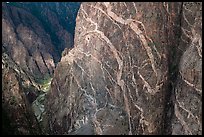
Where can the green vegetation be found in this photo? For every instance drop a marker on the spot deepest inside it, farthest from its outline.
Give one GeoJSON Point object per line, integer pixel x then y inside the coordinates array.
{"type": "Point", "coordinates": [44, 83]}
{"type": "Point", "coordinates": [13, 100]}
{"type": "Point", "coordinates": [38, 104]}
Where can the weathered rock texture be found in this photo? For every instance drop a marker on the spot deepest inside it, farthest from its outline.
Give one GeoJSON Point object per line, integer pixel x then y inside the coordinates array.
{"type": "Point", "coordinates": [121, 75]}
{"type": "Point", "coordinates": [34, 35]}
{"type": "Point", "coordinates": [57, 18]}
{"type": "Point", "coordinates": [187, 117]}
{"type": "Point", "coordinates": [26, 41]}
{"type": "Point", "coordinates": [18, 92]}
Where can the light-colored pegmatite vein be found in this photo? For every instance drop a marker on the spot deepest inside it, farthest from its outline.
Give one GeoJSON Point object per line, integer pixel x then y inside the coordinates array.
{"type": "Point", "coordinates": [197, 42]}
{"type": "Point", "coordinates": [134, 26]}
{"type": "Point", "coordinates": [96, 123]}
{"type": "Point", "coordinates": [111, 46]}
{"type": "Point", "coordinates": [113, 21]}
{"type": "Point", "coordinates": [120, 82]}
{"type": "Point", "coordinates": [100, 62]}
{"type": "Point", "coordinates": [182, 121]}
{"type": "Point", "coordinates": [166, 7]}
{"type": "Point", "coordinates": [179, 104]}
{"type": "Point", "coordinates": [195, 38]}
{"type": "Point", "coordinates": [102, 11]}
{"type": "Point", "coordinates": [142, 120]}
{"type": "Point", "coordinates": [186, 20]}
{"type": "Point", "coordinates": [190, 84]}
{"type": "Point", "coordinates": [135, 7]}
{"type": "Point", "coordinates": [146, 85]}
{"type": "Point", "coordinates": [133, 82]}
{"type": "Point", "coordinates": [91, 100]}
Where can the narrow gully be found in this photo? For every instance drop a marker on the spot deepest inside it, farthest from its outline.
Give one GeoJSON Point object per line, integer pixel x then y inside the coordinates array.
{"type": "Point", "coordinates": [173, 69]}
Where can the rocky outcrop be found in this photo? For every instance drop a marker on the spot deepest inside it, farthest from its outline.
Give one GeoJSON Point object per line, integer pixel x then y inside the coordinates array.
{"type": "Point", "coordinates": [26, 41]}
{"type": "Point", "coordinates": [18, 92]}
{"type": "Point", "coordinates": [34, 35]}
{"type": "Point", "coordinates": [122, 76]}
{"type": "Point", "coordinates": [57, 18]}
{"type": "Point", "coordinates": [187, 117]}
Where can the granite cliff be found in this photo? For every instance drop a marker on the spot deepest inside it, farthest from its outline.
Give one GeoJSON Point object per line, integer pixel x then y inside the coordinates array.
{"type": "Point", "coordinates": [130, 68]}
{"type": "Point", "coordinates": [19, 90]}
{"type": "Point", "coordinates": [135, 69]}
{"type": "Point", "coordinates": [35, 34]}
{"type": "Point", "coordinates": [33, 38]}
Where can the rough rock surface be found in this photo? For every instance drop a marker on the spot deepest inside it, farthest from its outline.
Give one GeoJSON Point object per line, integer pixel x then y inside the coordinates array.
{"type": "Point", "coordinates": [57, 18]}
{"type": "Point", "coordinates": [122, 76]}
{"type": "Point", "coordinates": [34, 36]}
{"type": "Point", "coordinates": [26, 41]}
{"type": "Point", "coordinates": [18, 92]}
{"type": "Point", "coordinates": [188, 86]}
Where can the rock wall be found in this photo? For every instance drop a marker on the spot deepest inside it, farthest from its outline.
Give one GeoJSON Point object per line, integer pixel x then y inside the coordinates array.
{"type": "Point", "coordinates": [26, 41]}
{"type": "Point", "coordinates": [187, 117]}
{"type": "Point", "coordinates": [18, 92]}
{"type": "Point", "coordinates": [127, 71]}
{"type": "Point", "coordinates": [35, 34]}
{"type": "Point", "coordinates": [135, 67]}
{"type": "Point", "coordinates": [33, 37]}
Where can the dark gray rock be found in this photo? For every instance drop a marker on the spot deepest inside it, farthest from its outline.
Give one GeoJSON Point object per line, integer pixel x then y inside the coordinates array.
{"type": "Point", "coordinates": [18, 92]}
{"type": "Point", "coordinates": [35, 34]}
{"type": "Point", "coordinates": [187, 118]}
{"type": "Point", "coordinates": [126, 73]}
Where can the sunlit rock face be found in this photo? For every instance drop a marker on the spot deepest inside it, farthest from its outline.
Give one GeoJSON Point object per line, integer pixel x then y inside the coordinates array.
{"type": "Point", "coordinates": [127, 71]}
{"type": "Point", "coordinates": [121, 74]}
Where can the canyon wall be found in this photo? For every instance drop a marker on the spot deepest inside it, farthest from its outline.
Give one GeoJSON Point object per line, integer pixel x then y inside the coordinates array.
{"type": "Point", "coordinates": [187, 98]}
{"type": "Point", "coordinates": [19, 90]}
{"type": "Point", "coordinates": [26, 41]}
{"type": "Point", "coordinates": [35, 36]}
{"type": "Point", "coordinates": [135, 69]}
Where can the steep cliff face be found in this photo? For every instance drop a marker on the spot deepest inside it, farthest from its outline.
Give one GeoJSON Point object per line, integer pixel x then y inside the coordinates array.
{"type": "Point", "coordinates": [34, 35]}
{"type": "Point", "coordinates": [115, 76]}
{"type": "Point", "coordinates": [187, 117]}
{"type": "Point", "coordinates": [26, 41]}
{"type": "Point", "coordinates": [123, 74]}
{"type": "Point", "coordinates": [18, 92]}
{"type": "Point", "coordinates": [57, 18]}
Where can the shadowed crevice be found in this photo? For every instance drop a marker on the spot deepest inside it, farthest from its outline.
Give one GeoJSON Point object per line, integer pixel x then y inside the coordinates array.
{"type": "Point", "coordinates": [173, 72]}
